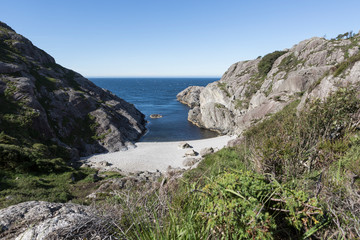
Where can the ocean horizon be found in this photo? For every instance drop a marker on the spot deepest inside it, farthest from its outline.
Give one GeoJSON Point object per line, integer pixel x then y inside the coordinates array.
{"type": "Point", "coordinates": [157, 95]}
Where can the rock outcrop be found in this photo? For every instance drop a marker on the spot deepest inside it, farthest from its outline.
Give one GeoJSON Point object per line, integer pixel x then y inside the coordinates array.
{"type": "Point", "coordinates": [190, 96]}
{"type": "Point", "coordinates": [60, 105]}
{"type": "Point", "coordinates": [251, 90]}
{"type": "Point", "coordinates": [41, 220]}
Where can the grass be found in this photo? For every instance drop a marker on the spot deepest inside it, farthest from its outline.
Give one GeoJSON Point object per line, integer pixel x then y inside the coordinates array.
{"type": "Point", "coordinates": [223, 87]}
{"type": "Point", "coordinates": [267, 62]}
{"type": "Point", "coordinates": [72, 185]}
{"type": "Point", "coordinates": [341, 67]}
{"type": "Point", "coordinates": [49, 83]}
{"type": "Point", "coordinates": [266, 173]}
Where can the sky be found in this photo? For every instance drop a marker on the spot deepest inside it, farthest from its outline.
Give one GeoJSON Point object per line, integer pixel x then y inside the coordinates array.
{"type": "Point", "coordinates": [168, 38]}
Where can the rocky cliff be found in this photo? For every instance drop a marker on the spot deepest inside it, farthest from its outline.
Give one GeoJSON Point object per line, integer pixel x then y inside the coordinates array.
{"type": "Point", "coordinates": [251, 90]}
{"type": "Point", "coordinates": [43, 102]}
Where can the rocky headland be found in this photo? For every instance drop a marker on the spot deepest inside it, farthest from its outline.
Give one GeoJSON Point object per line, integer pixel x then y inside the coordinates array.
{"type": "Point", "coordinates": [251, 90]}
{"type": "Point", "coordinates": [50, 115]}
{"type": "Point", "coordinates": [57, 105]}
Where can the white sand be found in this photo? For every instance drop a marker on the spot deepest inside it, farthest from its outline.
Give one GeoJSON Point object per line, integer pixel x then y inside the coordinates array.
{"type": "Point", "coordinates": [152, 156]}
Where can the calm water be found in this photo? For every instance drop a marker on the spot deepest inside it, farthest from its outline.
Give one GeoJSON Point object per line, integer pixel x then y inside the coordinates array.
{"type": "Point", "coordinates": [158, 96]}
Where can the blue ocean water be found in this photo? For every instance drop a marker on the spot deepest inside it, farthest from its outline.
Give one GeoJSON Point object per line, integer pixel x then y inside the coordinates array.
{"type": "Point", "coordinates": [158, 96]}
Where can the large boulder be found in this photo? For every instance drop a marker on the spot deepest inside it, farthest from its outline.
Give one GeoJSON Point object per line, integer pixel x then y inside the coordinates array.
{"type": "Point", "coordinates": [40, 220]}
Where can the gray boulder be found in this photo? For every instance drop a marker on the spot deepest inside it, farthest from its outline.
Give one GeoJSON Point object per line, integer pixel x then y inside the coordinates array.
{"type": "Point", "coordinates": [191, 153]}
{"type": "Point", "coordinates": [206, 151]}
{"type": "Point", "coordinates": [189, 162]}
{"type": "Point", "coordinates": [184, 145]}
{"type": "Point", "coordinates": [39, 220]}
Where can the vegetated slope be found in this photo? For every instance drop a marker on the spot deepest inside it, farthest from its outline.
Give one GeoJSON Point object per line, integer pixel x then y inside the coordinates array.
{"type": "Point", "coordinates": [295, 173]}
{"type": "Point", "coordinates": [49, 112]}
{"type": "Point", "coordinates": [250, 90]}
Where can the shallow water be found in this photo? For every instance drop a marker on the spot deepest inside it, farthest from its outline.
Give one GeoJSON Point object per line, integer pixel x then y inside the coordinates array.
{"type": "Point", "coordinates": [158, 96]}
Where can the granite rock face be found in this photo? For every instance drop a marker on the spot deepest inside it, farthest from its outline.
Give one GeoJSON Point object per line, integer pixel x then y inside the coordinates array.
{"type": "Point", "coordinates": [63, 106]}
{"type": "Point", "coordinates": [246, 93]}
{"type": "Point", "coordinates": [40, 220]}
{"type": "Point", "coordinates": [190, 96]}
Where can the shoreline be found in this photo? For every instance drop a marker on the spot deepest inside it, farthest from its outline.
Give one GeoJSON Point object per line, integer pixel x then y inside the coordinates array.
{"type": "Point", "coordinates": [154, 156]}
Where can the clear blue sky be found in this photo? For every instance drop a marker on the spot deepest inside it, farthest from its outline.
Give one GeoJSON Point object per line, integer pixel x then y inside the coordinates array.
{"type": "Point", "coordinates": [172, 37]}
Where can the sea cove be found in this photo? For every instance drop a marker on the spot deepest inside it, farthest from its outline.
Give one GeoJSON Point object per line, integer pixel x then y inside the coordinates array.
{"type": "Point", "coordinates": [158, 96]}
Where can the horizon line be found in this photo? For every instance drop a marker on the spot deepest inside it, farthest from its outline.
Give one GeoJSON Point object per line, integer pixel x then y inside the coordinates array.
{"type": "Point", "coordinates": [152, 76]}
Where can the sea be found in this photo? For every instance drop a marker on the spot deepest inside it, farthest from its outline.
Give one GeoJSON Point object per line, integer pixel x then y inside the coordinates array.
{"type": "Point", "coordinates": [158, 96]}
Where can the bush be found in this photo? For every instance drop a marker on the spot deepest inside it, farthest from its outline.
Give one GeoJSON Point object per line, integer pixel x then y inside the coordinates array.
{"type": "Point", "coordinates": [245, 205]}
{"type": "Point", "coordinates": [341, 67]}
{"type": "Point", "coordinates": [267, 62]}
{"type": "Point", "coordinates": [290, 143]}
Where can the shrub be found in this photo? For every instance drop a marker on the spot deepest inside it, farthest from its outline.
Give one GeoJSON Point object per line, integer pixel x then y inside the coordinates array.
{"type": "Point", "coordinates": [288, 143]}
{"type": "Point", "coordinates": [341, 67]}
{"type": "Point", "coordinates": [267, 62]}
{"type": "Point", "coordinates": [245, 205]}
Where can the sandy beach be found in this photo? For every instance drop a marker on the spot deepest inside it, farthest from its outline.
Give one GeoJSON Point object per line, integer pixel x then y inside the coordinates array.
{"type": "Point", "coordinates": [153, 156]}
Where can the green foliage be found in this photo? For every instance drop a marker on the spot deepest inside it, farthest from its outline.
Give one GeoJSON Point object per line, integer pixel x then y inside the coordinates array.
{"type": "Point", "coordinates": [290, 149]}
{"type": "Point", "coordinates": [341, 186]}
{"type": "Point", "coordinates": [70, 77]}
{"type": "Point", "coordinates": [240, 204]}
{"type": "Point", "coordinates": [289, 63]}
{"type": "Point", "coordinates": [21, 149]}
{"type": "Point", "coordinates": [267, 62]}
{"type": "Point", "coordinates": [21, 159]}
{"type": "Point", "coordinates": [287, 143]}
{"type": "Point", "coordinates": [240, 104]}
{"type": "Point", "coordinates": [223, 87]}
{"type": "Point", "coordinates": [346, 35]}
{"type": "Point", "coordinates": [219, 105]}
{"type": "Point", "coordinates": [41, 80]}
{"type": "Point", "coordinates": [214, 164]}
{"type": "Point", "coordinates": [6, 52]}
{"type": "Point", "coordinates": [231, 205]}
{"type": "Point", "coordinates": [341, 67]}
{"type": "Point", "coordinates": [54, 187]}
{"type": "Point", "coordinates": [85, 130]}
{"type": "Point", "coordinates": [253, 86]}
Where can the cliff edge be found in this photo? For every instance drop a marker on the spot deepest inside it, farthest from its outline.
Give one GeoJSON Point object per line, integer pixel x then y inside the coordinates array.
{"type": "Point", "coordinates": [251, 90]}
{"type": "Point", "coordinates": [46, 104]}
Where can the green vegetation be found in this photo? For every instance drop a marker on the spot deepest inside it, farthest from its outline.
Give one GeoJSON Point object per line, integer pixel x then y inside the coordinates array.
{"type": "Point", "coordinates": [289, 63]}
{"type": "Point", "coordinates": [239, 104]}
{"type": "Point", "coordinates": [41, 80]}
{"type": "Point", "coordinates": [293, 176]}
{"type": "Point", "coordinates": [219, 105]}
{"type": "Point", "coordinates": [256, 81]}
{"type": "Point", "coordinates": [85, 130]}
{"type": "Point", "coordinates": [70, 77]}
{"type": "Point", "coordinates": [223, 87]}
{"type": "Point", "coordinates": [267, 62]}
{"type": "Point", "coordinates": [62, 186]}
{"type": "Point", "coordinates": [340, 68]}
{"type": "Point", "coordinates": [346, 35]}
{"type": "Point", "coordinates": [32, 168]}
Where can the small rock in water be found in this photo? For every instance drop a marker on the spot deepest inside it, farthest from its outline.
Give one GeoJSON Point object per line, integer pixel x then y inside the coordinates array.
{"type": "Point", "coordinates": [184, 145]}
{"type": "Point", "coordinates": [156, 116]}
